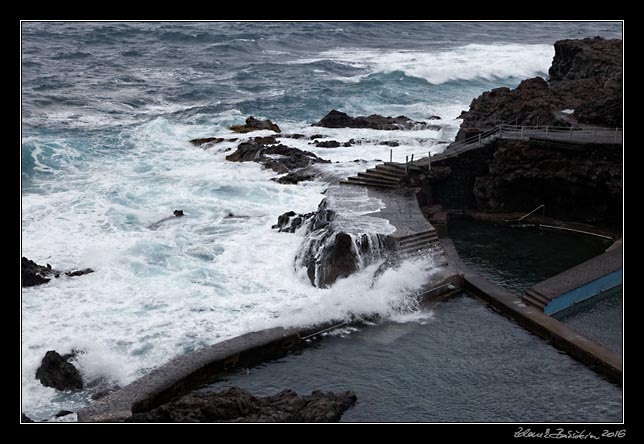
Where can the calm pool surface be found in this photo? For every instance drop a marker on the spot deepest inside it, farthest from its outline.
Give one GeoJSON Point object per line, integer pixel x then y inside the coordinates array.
{"type": "Point", "coordinates": [462, 363]}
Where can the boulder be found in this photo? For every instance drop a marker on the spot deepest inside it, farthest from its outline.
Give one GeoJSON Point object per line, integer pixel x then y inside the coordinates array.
{"type": "Point", "coordinates": [55, 371]}
{"type": "Point", "coordinates": [328, 144]}
{"type": "Point", "coordinates": [237, 405]}
{"type": "Point", "coordinates": [75, 273]}
{"type": "Point", "coordinates": [337, 119]}
{"type": "Point", "coordinates": [290, 221]}
{"type": "Point", "coordinates": [207, 140]}
{"type": "Point", "coordinates": [34, 274]}
{"type": "Point", "coordinates": [253, 124]}
{"type": "Point", "coordinates": [294, 178]}
{"type": "Point", "coordinates": [279, 158]}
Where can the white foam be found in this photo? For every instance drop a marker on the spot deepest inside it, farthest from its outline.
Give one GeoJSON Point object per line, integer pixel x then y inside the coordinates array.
{"type": "Point", "coordinates": [191, 282]}
{"type": "Point", "coordinates": [486, 61]}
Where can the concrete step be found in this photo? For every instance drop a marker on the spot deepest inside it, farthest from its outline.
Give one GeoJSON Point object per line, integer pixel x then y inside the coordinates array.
{"type": "Point", "coordinates": [372, 181]}
{"type": "Point", "coordinates": [392, 169]}
{"type": "Point", "coordinates": [423, 241]}
{"type": "Point", "coordinates": [430, 236]}
{"type": "Point", "coordinates": [366, 184]}
{"type": "Point", "coordinates": [375, 175]}
{"type": "Point", "coordinates": [385, 173]}
{"type": "Point", "coordinates": [410, 236]}
{"type": "Point", "coordinates": [537, 296]}
{"type": "Point", "coordinates": [530, 299]}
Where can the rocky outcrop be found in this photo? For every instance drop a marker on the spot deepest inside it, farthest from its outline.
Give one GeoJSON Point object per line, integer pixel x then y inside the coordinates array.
{"type": "Point", "coordinates": [55, 371]}
{"type": "Point", "coordinates": [33, 274]}
{"type": "Point", "coordinates": [279, 158]}
{"type": "Point", "coordinates": [253, 124]}
{"type": "Point", "coordinates": [328, 253]}
{"type": "Point", "coordinates": [291, 221]}
{"type": "Point", "coordinates": [328, 144]}
{"type": "Point", "coordinates": [338, 119]}
{"type": "Point", "coordinates": [207, 140]}
{"type": "Point", "coordinates": [587, 58]}
{"type": "Point", "coordinates": [237, 405]}
{"type": "Point", "coordinates": [585, 76]}
{"type": "Point", "coordinates": [294, 178]}
{"type": "Point", "coordinates": [583, 184]}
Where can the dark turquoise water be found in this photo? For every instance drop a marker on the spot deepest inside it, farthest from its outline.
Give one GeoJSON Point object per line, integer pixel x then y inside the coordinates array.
{"type": "Point", "coordinates": [462, 363]}
{"type": "Point", "coordinates": [518, 258]}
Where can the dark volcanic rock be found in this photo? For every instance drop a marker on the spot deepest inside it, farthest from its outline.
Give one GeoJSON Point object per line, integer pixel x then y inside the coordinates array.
{"type": "Point", "coordinates": [34, 274]}
{"type": "Point", "coordinates": [328, 253]}
{"type": "Point", "coordinates": [584, 185]}
{"type": "Point", "coordinates": [207, 140]}
{"type": "Point", "coordinates": [583, 59]}
{"type": "Point", "coordinates": [290, 221]}
{"type": "Point", "coordinates": [25, 419]}
{"type": "Point", "coordinates": [586, 76]}
{"type": "Point", "coordinates": [280, 158]}
{"type": "Point", "coordinates": [253, 124]}
{"type": "Point", "coordinates": [337, 119]}
{"type": "Point", "coordinates": [79, 272]}
{"type": "Point", "coordinates": [55, 371]}
{"type": "Point", "coordinates": [531, 103]}
{"type": "Point", "coordinates": [340, 259]}
{"type": "Point", "coordinates": [328, 144]}
{"type": "Point", "coordinates": [294, 178]}
{"type": "Point", "coordinates": [62, 413]}
{"type": "Point", "coordinates": [237, 405]}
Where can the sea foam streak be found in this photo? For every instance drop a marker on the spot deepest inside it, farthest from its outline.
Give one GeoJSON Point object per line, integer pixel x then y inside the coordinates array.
{"type": "Point", "coordinates": [468, 62]}
{"type": "Point", "coordinates": [192, 281]}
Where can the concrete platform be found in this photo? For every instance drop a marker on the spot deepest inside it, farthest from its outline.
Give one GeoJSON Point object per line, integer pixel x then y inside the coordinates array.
{"type": "Point", "coordinates": [402, 211]}
{"type": "Point", "coordinates": [186, 372]}
{"type": "Point", "coordinates": [577, 284]}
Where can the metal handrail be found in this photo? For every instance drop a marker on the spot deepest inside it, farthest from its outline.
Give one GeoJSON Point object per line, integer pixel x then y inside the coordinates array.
{"type": "Point", "coordinates": [505, 130]}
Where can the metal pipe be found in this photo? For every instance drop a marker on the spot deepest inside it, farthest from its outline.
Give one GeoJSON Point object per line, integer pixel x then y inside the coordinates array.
{"type": "Point", "coordinates": [391, 155]}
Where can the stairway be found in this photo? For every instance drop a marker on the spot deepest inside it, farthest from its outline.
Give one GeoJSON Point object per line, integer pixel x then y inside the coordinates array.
{"type": "Point", "coordinates": [385, 175]}
{"type": "Point", "coordinates": [415, 243]}
{"type": "Point", "coordinates": [535, 299]}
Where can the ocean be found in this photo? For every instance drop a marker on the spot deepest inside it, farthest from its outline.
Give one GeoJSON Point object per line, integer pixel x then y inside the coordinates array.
{"type": "Point", "coordinates": [107, 112]}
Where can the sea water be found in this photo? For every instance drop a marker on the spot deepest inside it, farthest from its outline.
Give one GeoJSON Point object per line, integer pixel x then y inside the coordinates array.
{"type": "Point", "coordinates": [107, 112]}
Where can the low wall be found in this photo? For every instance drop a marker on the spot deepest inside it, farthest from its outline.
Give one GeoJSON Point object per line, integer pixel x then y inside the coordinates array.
{"type": "Point", "coordinates": [589, 352]}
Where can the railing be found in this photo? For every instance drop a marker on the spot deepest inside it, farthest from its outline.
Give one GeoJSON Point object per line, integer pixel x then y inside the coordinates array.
{"type": "Point", "coordinates": [584, 134]}
{"type": "Point", "coordinates": [529, 214]}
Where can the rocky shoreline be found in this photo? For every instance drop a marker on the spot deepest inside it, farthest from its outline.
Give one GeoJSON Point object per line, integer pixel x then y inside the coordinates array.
{"type": "Point", "coordinates": [583, 184]}
{"type": "Point", "coordinates": [584, 87]}
{"type": "Point", "coordinates": [576, 181]}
